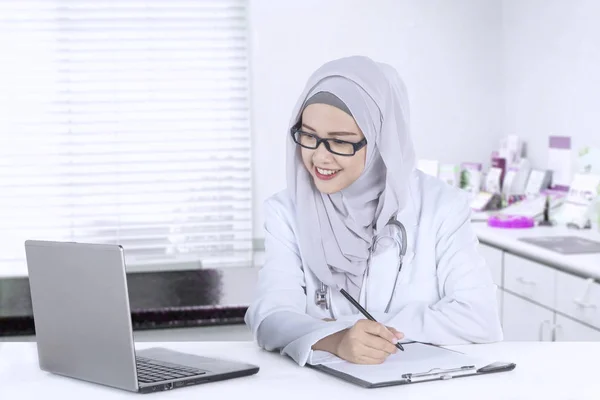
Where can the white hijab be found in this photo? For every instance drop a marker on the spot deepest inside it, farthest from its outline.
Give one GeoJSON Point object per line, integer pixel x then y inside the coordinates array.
{"type": "Point", "coordinates": [335, 231]}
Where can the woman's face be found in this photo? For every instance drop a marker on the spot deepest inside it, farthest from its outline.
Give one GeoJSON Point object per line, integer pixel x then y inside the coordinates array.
{"type": "Point", "coordinates": [331, 172]}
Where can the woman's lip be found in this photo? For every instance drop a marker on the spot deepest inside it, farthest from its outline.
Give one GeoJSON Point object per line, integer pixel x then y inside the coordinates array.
{"type": "Point", "coordinates": [325, 177]}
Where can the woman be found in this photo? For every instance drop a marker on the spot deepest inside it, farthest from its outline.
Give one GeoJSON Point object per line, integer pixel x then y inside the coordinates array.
{"type": "Point", "coordinates": [350, 171]}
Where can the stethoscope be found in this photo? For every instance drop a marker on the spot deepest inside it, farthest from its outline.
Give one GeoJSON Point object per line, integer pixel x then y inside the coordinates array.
{"type": "Point", "coordinates": [393, 229]}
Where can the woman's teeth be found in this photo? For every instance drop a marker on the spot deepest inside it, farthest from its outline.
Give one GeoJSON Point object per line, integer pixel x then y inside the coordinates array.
{"type": "Point", "coordinates": [326, 171]}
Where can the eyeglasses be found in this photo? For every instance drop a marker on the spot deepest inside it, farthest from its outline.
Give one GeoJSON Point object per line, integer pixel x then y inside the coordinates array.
{"type": "Point", "coordinates": [335, 146]}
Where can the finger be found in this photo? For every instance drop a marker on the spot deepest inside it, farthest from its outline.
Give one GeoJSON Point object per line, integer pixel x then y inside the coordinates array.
{"type": "Point", "coordinates": [372, 355]}
{"type": "Point", "coordinates": [376, 342]}
{"type": "Point", "coordinates": [369, 360]}
{"type": "Point", "coordinates": [396, 333]}
{"type": "Point", "coordinates": [365, 350]}
{"type": "Point", "coordinates": [375, 328]}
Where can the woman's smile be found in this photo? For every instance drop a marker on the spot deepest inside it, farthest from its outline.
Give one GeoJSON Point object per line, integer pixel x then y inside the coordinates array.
{"type": "Point", "coordinates": [326, 174]}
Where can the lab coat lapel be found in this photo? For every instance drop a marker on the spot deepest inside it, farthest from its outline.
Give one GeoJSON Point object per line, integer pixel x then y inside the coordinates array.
{"type": "Point", "coordinates": [382, 271]}
{"type": "Point", "coordinates": [409, 218]}
{"type": "Point", "coordinates": [379, 285]}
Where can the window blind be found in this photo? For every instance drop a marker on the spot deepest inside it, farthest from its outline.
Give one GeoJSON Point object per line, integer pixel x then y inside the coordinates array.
{"type": "Point", "coordinates": [126, 122]}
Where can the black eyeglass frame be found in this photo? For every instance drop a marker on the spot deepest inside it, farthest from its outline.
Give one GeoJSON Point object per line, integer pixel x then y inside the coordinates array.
{"type": "Point", "coordinates": [356, 146]}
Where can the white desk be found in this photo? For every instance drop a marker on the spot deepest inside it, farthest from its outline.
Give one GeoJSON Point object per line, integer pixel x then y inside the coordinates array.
{"type": "Point", "coordinates": [544, 371]}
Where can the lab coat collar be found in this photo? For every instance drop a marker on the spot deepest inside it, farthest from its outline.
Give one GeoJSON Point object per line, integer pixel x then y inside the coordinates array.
{"type": "Point", "coordinates": [409, 216]}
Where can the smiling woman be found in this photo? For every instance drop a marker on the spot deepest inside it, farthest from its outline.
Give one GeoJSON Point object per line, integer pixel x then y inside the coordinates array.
{"type": "Point", "coordinates": [351, 171]}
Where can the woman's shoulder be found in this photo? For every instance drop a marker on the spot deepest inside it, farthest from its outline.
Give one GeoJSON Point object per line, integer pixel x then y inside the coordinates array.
{"type": "Point", "coordinates": [280, 203]}
{"type": "Point", "coordinates": [438, 196]}
{"type": "Point", "coordinates": [280, 207]}
{"type": "Point", "coordinates": [280, 219]}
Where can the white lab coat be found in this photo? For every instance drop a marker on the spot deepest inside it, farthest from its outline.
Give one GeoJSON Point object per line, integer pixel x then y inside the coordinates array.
{"type": "Point", "coordinates": [444, 294]}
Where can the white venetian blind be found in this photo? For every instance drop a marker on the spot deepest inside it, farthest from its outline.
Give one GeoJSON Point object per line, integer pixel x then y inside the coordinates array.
{"type": "Point", "coordinates": [127, 122]}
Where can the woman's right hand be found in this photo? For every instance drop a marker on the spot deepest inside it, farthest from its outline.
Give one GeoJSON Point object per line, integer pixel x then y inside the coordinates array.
{"type": "Point", "coordinates": [367, 342]}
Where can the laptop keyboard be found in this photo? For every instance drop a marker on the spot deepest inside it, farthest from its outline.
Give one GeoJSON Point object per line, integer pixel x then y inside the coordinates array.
{"type": "Point", "coordinates": [149, 370]}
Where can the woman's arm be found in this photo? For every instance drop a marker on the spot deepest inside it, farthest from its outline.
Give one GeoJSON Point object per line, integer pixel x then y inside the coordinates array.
{"type": "Point", "coordinates": [467, 312]}
{"type": "Point", "coordinates": [277, 317]}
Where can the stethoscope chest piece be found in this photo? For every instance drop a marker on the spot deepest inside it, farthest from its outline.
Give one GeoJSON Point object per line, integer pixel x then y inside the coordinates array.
{"type": "Point", "coordinates": [321, 297]}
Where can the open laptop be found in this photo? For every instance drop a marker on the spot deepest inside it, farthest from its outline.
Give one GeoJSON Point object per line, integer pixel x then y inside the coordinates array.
{"type": "Point", "coordinates": [83, 323]}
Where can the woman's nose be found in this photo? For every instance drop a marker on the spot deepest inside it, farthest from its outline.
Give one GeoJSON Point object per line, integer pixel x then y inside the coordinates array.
{"type": "Point", "coordinates": [322, 154]}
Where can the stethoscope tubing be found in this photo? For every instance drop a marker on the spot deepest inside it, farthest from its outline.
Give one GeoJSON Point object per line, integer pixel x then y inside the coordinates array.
{"type": "Point", "coordinates": [323, 295]}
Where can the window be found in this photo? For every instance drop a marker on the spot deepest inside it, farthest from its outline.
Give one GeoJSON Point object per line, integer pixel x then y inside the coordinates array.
{"type": "Point", "coordinates": [126, 122]}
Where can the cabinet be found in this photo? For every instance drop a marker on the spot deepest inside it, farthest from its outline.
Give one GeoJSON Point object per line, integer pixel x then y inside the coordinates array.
{"type": "Point", "coordinates": [530, 279]}
{"type": "Point", "coordinates": [525, 321]}
{"type": "Point", "coordinates": [567, 330]}
{"type": "Point", "coordinates": [578, 298]}
{"type": "Point", "coordinates": [537, 300]}
{"type": "Point", "coordinates": [540, 303]}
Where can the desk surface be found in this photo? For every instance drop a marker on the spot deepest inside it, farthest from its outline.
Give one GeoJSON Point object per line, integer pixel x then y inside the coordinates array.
{"type": "Point", "coordinates": [544, 371]}
{"type": "Point", "coordinates": [584, 265]}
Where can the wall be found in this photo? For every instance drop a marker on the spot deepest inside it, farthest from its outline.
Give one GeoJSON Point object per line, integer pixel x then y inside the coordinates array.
{"type": "Point", "coordinates": [446, 51]}
{"type": "Point", "coordinates": [551, 52]}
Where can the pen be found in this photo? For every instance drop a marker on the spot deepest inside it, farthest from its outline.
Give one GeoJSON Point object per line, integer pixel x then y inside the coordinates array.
{"type": "Point", "coordinates": [363, 311]}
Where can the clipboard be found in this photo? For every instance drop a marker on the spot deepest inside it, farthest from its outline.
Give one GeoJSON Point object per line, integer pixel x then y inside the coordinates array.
{"type": "Point", "coordinates": [395, 371]}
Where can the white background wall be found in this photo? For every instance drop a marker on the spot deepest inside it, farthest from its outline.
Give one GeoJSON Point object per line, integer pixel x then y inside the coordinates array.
{"type": "Point", "coordinates": [446, 51]}
{"type": "Point", "coordinates": [551, 51]}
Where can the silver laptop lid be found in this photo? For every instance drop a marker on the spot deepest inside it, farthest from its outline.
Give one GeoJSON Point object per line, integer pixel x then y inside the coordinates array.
{"type": "Point", "coordinates": [81, 311]}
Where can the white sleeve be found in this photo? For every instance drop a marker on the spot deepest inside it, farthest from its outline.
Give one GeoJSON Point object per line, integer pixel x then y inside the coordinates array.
{"type": "Point", "coordinates": [467, 311]}
{"type": "Point", "coordinates": [277, 316]}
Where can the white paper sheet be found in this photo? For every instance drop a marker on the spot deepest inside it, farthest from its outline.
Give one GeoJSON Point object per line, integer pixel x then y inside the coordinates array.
{"type": "Point", "coordinates": [416, 358]}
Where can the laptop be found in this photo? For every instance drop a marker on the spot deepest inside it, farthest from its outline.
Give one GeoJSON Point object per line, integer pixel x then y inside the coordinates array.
{"type": "Point", "coordinates": [83, 324]}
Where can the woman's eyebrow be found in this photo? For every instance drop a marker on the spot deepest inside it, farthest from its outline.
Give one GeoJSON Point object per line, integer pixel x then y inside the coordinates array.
{"type": "Point", "coordinates": [308, 127]}
{"type": "Point", "coordinates": [342, 133]}
{"type": "Point", "coordinates": [338, 133]}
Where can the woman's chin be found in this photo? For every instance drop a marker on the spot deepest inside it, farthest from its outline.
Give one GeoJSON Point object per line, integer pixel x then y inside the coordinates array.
{"type": "Point", "coordinates": [327, 187]}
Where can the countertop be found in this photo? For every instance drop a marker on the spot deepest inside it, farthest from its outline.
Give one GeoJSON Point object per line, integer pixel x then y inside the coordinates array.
{"type": "Point", "coordinates": [583, 265]}
{"type": "Point", "coordinates": [158, 299]}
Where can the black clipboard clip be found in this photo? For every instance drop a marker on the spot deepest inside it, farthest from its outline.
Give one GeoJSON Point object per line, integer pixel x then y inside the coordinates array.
{"type": "Point", "coordinates": [440, 373]}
